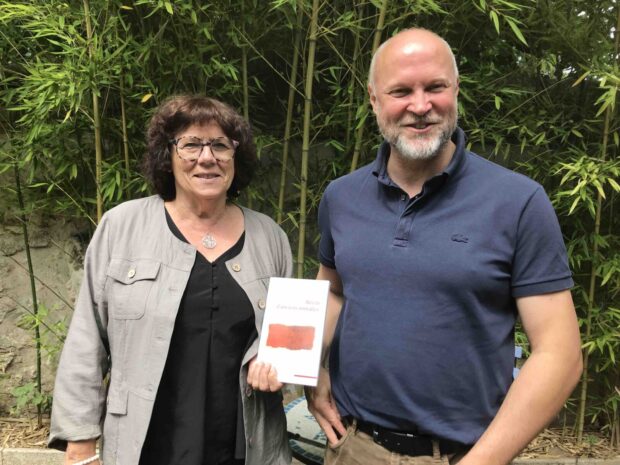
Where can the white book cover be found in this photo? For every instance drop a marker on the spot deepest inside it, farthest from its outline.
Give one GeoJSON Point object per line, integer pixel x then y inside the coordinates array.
{"type": "Point", "coordinates": [292, 333]}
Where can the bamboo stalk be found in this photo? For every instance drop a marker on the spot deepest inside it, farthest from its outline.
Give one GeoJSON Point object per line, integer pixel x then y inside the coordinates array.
{"type": "Point", "coordinates": [33, 288]}
{"type": "Point", "coordinates": [289, 111]}
{"type": "Point", "coordinates": [359, 134]}
{"type": "Point", "coordinates": [581, 412]}
{"type": "Point", "coordinates": [306, 138]}
{"type": "Point", "coordinates": [124, 127]}
{"type": "Point", "coordinates": [96, 116]}
{"type": "Point", "coordinates": [246, 91]}
{"type": "Point", "coordinates": [353, 83]}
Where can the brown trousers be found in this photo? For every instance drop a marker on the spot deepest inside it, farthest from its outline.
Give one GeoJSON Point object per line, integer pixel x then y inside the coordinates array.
{"type": "Point", "coordinates": [358, 448]}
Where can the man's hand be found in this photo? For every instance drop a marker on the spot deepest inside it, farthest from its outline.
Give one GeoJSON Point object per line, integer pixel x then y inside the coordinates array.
{"type": "Point", "coordinates": [263, 376]}
{"type": "Point", "coordinates": [321, 404]}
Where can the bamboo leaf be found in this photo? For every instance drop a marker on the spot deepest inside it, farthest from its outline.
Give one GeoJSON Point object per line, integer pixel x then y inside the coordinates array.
{"type": "Point", "coordinates": [612, 182]}
{"type": "Point", "coordinates": [599, 187]}
{"type": "Point", "coordinates": [146, 98]}
{"type": "Point", "coordinates": [495, 20]}
{"type": "Point", "coordinates": [515, 29]}
{"type": "Point", "coordinates": [574, 205]}
{"type": "Point", "coordinates": [581, 78]}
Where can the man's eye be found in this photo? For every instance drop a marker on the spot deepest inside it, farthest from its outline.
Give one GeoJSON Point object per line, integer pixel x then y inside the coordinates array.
{"type": "Point", "coordinates": [399, 93]}
{"type": "Point", "coordinates": [436, 88]}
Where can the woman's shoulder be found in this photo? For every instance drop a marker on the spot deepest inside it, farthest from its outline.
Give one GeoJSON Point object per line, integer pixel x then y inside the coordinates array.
{"type": "Point", "coordinates": [259, 225]}
{"type": "Point", "coordinates": [135, 207]}
{"type": "Point", "coordinates": [254, 219]}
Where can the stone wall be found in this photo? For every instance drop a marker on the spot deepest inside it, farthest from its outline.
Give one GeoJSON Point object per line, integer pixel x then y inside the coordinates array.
{"type": "Point", "coordinates": [56, 256]}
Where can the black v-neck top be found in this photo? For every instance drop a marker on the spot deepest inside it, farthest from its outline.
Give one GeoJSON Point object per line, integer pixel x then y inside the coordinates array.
{"type": "Point", "coordinates": [196, 411]}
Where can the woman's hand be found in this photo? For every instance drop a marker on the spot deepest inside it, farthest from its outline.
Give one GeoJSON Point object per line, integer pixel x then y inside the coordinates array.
{"type": "Point", "coordinates": [263, 376]}
{"type": "Point", "coordinates": [81, 450]}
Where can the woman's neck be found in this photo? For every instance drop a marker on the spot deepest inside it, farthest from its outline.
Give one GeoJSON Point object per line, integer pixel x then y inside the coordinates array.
{"type": "Point", "coordinates": [201, 214]}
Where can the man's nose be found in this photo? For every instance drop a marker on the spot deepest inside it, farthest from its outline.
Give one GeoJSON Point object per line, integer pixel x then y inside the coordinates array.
{"type": "Point", "coordinates": [419, 103]}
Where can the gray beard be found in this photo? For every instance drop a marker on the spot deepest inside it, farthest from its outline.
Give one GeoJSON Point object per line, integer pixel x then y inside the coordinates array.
{"type": "Point", "coordinates": [430, 149]}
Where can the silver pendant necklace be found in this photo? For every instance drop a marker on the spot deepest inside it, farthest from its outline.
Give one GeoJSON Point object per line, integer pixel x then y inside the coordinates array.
{"type": "Point", "coordinates": [208, 241]}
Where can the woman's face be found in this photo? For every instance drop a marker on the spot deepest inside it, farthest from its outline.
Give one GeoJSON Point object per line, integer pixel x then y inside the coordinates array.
{"type": "Point", "coordinates": [206, 178]}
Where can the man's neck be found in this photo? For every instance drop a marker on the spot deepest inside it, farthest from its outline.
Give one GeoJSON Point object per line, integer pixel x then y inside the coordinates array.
{"type": "Point", "coordinates": [410, 175]}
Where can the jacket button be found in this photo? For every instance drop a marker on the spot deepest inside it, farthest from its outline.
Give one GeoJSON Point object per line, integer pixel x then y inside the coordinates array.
{"type": "Point", "coordinates": [261, 304]}
{"type": "Point", "coordinates": [236, 267]}
{"type": "Point", "coordinates": [131, 273]}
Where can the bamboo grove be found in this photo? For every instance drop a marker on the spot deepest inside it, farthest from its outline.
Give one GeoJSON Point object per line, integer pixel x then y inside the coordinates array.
{"type": "Point", "coordinates": [78, 81]}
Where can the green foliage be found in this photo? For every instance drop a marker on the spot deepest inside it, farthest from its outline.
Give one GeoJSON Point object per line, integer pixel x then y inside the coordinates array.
{"type": "Point", "coordinates": [27, 396]}
{"type": "Point", "coordinates": [538, 93]}
{"type": "Point", "coordinates": [52, 333]}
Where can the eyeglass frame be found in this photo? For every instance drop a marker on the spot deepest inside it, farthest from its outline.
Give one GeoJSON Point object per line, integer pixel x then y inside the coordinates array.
{"type": "Point", "coordinates": [205, 144]}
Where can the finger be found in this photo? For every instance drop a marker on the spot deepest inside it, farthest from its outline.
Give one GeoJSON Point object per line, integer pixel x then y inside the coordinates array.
{"type": "Point", "coordinates": [263, 381]}
{"type": "Point", "coordinates": [254, 373]}
{"type": "Point", "coordinates": [272, 377]}
{"type": "Point", "coordinates": [331, 414]}
{"type": "Point", "coordinates": [339, 426]}
{"type": "Point", "coordinates": [326, 426]}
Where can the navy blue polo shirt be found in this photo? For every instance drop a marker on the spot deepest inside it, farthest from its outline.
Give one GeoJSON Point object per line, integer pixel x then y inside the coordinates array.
{"type": "Point", "coordinates": [425, 338]}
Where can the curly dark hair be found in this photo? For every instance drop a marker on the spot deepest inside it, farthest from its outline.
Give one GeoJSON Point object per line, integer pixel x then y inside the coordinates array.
{"type": "Point", "coordinates": [177, 114]}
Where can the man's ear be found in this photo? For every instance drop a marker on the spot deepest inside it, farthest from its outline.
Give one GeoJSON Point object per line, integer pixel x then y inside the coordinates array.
{"type": "Point", "coordinates": [373, 98]}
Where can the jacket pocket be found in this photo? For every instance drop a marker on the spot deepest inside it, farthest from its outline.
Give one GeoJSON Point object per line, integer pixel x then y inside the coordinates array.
{"type": "Point", "coordinates": [117, 401]}
{"type": "Point", "coordinates": [116, 409]}
{"type": "Point", "coordinates": [130, 285]}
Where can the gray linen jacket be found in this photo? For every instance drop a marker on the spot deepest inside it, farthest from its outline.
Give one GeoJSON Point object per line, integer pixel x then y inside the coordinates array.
{"type": "Point", "coordinates": [135, 273]}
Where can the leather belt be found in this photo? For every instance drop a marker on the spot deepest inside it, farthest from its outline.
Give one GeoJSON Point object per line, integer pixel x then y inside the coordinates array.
{"type": "Point", "coordinates": [407, 443]}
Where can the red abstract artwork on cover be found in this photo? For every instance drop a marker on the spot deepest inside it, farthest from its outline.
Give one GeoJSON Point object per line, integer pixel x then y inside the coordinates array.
{"type": "Point", "coordinates": [290, 337]}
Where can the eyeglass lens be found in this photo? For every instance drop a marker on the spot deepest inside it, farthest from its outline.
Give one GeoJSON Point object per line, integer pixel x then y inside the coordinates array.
{"type": "Point", "coordinates": [189, 148]}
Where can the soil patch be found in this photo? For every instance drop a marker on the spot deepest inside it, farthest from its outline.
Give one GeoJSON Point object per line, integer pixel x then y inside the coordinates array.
{"type": "Point", "coordinates": [24, 432]}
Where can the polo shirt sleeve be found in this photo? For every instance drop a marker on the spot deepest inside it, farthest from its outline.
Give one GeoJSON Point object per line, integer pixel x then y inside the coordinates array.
{"type": "Point", "coordinates": [540, 264]}
{"type": "Point", "coordinates": [326, 244]}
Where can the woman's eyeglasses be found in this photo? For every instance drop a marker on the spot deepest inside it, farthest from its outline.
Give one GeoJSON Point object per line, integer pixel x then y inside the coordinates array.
{"type": "Point", "coordinates": [189, 148]}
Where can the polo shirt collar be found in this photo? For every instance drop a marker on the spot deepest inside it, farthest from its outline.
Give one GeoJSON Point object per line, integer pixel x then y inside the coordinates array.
{"type": "Point", "coordinates": [379, 166]}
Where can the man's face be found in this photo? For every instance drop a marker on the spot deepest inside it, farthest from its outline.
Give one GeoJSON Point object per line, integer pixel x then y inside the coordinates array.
{"type": "Point", "coordinates": [414, 95]}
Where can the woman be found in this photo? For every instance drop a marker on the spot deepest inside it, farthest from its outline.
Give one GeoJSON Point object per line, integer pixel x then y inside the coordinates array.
{"type": "Point", "coordinates": [170, 308]}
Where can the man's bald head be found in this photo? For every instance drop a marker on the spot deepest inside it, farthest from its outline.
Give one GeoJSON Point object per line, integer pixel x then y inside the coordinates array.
{"type": "Point", "coordinates": [410, 40]}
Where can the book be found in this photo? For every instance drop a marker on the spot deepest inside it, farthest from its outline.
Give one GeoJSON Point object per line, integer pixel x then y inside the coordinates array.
{"type": "Point", "coordinates": [292, 333]}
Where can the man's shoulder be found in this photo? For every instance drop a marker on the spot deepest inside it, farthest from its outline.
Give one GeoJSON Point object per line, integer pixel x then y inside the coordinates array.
{"type": "Point", "coordinates": [491, 173]}
{"type": "Point", "coordinates": [351, 180]}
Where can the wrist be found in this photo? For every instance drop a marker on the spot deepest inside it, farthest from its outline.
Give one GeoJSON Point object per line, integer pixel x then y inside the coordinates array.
{"type": "Point", "coordinates": [81, 450]}
{"type": "Point", "coordinates": [88, 460]}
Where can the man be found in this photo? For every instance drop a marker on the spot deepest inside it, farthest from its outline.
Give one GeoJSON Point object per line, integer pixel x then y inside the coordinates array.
{"type": "Point", "coordinates": [431, 253]}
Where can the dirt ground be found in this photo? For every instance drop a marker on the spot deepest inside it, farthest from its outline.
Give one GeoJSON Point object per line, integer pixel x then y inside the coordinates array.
{"type": "Point", "coordinates": [24, 432]}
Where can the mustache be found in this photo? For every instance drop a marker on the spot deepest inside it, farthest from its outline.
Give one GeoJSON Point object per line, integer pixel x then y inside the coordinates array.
{"type": "Point", "coordinates": [413, 119]}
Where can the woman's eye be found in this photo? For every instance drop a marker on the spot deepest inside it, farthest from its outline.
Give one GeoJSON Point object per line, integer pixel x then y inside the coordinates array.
{"type": "Point", "coordinates": [191, 146]}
